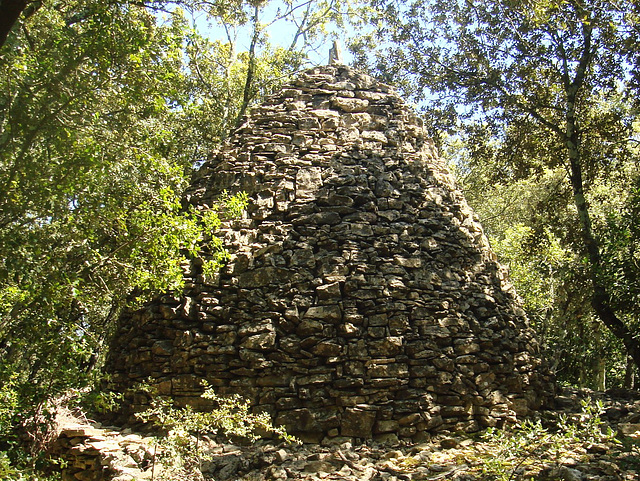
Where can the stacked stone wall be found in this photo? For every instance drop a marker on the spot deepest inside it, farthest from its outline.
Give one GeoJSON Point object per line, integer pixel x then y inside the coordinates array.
{"type": "Point", "coordinates": [361, 298]}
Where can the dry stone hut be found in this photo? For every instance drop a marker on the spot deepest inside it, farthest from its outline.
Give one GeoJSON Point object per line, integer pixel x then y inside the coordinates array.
{"type": "Point", "coordinates": [361, 299]}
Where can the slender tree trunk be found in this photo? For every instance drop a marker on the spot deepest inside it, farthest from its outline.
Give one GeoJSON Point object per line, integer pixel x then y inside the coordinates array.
{"type": "Point", "coordinates": [599, 374]}
{"type": "Point", "coordinates": [629, 374]}
{"type": "Point", "coordinates": [600, 300]}
{"type": "Point", "coordinates": [251, 67]}
{"type": "Point", "coordinates": [10, 11]}
{"type": "Point", "coordinates": [226, 113]}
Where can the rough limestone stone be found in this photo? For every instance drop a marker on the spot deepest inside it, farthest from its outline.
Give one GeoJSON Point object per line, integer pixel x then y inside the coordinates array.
{"type": "Point", "coordinates": [358, 422]}
{"type": "Point", "coordinates": [361, 299]}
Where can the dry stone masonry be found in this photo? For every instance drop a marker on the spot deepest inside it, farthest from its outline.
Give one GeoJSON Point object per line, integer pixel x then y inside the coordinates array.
{"type": "Point", "coordinates": [361, 299]}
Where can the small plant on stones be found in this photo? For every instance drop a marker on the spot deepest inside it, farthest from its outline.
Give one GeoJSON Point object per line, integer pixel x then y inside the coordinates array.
{"type": "Point", "coordinates": [183, 447]}
{"type": "Point", "coordinates": [528, 449]}
{"type": "Point", "coordinates": [517, 449]}
{"type": "Point", "coordinates": [587, 425]}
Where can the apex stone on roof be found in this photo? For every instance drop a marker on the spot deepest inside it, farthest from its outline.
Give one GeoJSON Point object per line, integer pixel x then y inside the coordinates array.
{"type": "Point", "coordinates": [361, 298]}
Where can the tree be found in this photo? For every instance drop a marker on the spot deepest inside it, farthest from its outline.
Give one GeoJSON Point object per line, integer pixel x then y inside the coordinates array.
{"type": "Point", "coordinates": [528, 79]}
{"type": "Point", "coordinates": [10, 11]}
{"type": "Point", "coordinates": [526, 221]}
{"type": "Point", "coordinates": [91, 175]}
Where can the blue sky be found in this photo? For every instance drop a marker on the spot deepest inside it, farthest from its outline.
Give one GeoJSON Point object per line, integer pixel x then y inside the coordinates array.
{"type": "Point", "coordinates": [280, 32]}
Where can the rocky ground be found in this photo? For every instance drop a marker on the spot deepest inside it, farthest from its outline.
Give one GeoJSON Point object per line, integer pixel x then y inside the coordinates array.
{"type": "Point", "coordinates": [592, 436]}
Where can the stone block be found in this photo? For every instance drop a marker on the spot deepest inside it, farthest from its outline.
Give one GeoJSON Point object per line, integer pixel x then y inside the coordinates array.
{"type": "Point", "coordinates": [395, 370]}
{"type": "Point", "coordinates": [162, 348]}
{"type": "Point", "coordinates": [330, 313]}
{"type": "Point", "coordinates": [263, 276]}
{"type": "Point", "coordinates": [389, 346]}
{"type": "Point", "coordinates": [314, 379]}
{"type": "Point", "coordinates": [303, 258]}
{"type": "Point", "coordinates": [629, 429]}
{"type": "Point", "coordinates": [329, 291]}
{"type": "Point", "coordinates": [376, 333]}
{"type": "Point", "coordinates": [409, 420]}
{"type": "Point", "coordinates": [327, 349]}
{"type": "Point", "coordinates": [374, 135]}
{"type": "Point", "coordinates": [309, 327]}
{"type": "Point", "coordinates": [389, 426]}
{"type": "Point", "coordinates": [260, 342]}
{"type": "Point", "coordinates": [350, 104]}
{"type": "Point", "coordinates": [297, 420]}
{"type": "Point", "coordinates": [357, 423]}
{"type": "Point", "coordinates": [274, 380]}
{"type": "Point", "coordinates": [308, 180]}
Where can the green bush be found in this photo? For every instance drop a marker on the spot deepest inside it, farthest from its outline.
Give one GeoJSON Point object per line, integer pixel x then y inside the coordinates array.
{"type": "Point", "coordinates": [181, 444]}
{"type": "Point", "coordinates": [529, 445]}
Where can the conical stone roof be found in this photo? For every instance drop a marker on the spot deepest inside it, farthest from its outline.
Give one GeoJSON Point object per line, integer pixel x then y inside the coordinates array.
{"type": "Point", "coordinates": [361, 299]}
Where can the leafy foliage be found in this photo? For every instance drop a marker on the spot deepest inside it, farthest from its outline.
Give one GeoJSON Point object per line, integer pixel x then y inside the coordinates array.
{"type": "Point", "coordinates": [621, 250]}
{"type": "Point", "coordinates": [232, 417]}
{"type": "Point", "coordinates": [530, 445]}
{"type": "Point", "coordinates": [181, 441]}
{"type": "Point", "coordinates": [91, 177]}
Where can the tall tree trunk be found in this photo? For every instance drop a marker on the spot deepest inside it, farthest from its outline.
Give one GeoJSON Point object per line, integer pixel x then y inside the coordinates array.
{"type": "Point", "coordinates": [599, 374]}
{"type": "Point", "coordinates": [600, 299]}
{"type": "Point", "coordinates": [10, 11]}
{"type": "Point", "coordinates": [629, 374]}
{"type": "Point", "coordinates": [228, 103]}
{"type": "Point", "coordinates": [251, 67]}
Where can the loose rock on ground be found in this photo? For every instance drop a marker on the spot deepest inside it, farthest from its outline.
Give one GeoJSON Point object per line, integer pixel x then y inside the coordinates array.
{"type": "Point", "coordinates": [94, 453]}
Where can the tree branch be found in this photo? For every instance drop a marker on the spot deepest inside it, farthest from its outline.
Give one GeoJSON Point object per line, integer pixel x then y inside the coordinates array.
{"type": "Point", "coordinates": [10, 11]}
{"type": "Point", "coordinates": [246, 98]}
